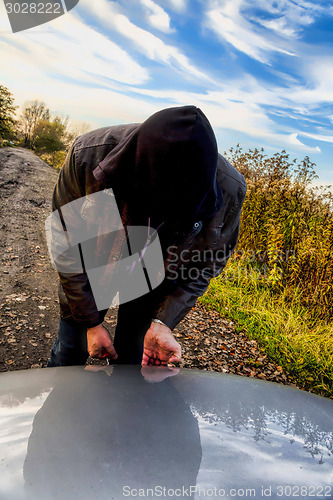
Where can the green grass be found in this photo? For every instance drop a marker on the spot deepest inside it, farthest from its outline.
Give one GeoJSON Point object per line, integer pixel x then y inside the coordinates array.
{"type": "Point", "coordinates": [285, 332]}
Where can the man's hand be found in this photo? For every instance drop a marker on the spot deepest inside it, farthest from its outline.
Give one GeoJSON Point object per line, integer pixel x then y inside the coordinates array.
{"type": "Point", "coordinates": [99, 343]}
{"type": "Point", "coordinates": [160, 347]}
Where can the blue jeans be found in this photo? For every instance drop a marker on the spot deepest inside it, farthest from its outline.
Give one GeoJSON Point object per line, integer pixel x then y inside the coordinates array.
{"type": "Point", "coordinates": [70, 348]}
{"type": "Point", "coordinates": [134, 319]}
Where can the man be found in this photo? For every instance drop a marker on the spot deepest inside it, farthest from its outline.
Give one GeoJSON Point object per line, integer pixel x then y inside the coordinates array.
{"type": "Point", "coordinates": [165, 173]}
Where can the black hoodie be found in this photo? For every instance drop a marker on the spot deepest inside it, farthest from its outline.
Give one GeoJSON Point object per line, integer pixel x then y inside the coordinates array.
{"type": "Point", "coordinates": [166, 168]}
{"type": "Point", "coordinates": [164, 171]}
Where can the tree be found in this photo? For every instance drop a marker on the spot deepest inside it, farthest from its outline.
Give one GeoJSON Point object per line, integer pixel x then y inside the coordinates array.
{"type": "Point", "coordinates": [50, 136]}
{"type": "Point", "coordinates": [7, 110]}
{"type": "Point", "coordinates": [51, 140]}
{"type": "Point", "coordinates": [33, 112]}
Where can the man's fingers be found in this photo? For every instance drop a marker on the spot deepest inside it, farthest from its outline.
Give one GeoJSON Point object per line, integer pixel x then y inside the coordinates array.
{"type": "Point", "coordinates": [160, 347]}
{"type": "Point", "coordinates": [112, 352]}
{"type": "Point", "coordinates": [99, 343]}
{"type": "Point", "coordinates": [175, 359]}
{"type": "Point", "coordinates": [145, 360]}
{"type": "Point", "coordinates": [177, 355]}
{"type": "Point", "coordinates": [103, 352]}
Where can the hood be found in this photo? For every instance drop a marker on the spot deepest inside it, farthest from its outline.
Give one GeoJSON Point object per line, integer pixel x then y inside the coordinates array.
{"type": "Point", "coordinates": [165, 168]}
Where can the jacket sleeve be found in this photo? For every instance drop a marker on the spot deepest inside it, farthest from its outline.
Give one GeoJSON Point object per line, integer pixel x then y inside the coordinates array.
{"type": "Point", "coordinates": [178, 303]}
{"type": "Point", "coordinates": [76, 287]}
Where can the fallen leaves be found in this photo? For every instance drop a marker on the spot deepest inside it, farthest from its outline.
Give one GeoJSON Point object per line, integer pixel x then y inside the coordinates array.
{"type": "Point", "coordinates": [210, 342]}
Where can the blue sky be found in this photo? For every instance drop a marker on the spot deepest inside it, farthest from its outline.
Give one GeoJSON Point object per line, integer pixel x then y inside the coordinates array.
{"type": "Point", "coordinates": [261, 70]}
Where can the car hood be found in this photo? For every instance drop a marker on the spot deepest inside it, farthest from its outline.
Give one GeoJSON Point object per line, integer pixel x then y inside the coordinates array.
{"type": "Point", "coordinates": [73, 433]}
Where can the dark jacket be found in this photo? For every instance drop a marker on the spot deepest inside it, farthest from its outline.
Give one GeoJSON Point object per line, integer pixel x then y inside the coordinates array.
{"type": "Point", "coordinates": [210, 241]}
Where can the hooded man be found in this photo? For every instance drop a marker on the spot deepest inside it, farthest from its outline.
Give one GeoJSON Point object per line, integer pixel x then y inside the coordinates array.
{"type": "Point", "coordinates": [165, 174]}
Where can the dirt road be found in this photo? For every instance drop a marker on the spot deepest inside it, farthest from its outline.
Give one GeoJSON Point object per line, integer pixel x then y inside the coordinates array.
{"type": "Point", "coordinates": [28, 283]}
{"type": "Point", "coordinates": [29, 302]}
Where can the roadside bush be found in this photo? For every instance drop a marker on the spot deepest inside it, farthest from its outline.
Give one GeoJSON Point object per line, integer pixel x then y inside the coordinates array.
{"type": "Point", "coordinates": [286, 230]}
{"type": "Point", "coordinates": [55, 159]}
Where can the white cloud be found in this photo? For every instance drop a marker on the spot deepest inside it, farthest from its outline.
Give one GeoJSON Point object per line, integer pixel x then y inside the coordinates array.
{"type": "Point", "coordinates": [99, 106]}
{"type": "Point", "coordinates": [178, 5]}
{"type": "Point", "coordinates": [240, 106]}
{"type": "Point", "coordinates": [238, 23]}
{"type": "Point", "coordinates": [68, 48]}
{"type": "Point", "coordinates": [142, 41]}
{"type": "Point", "coordinates": [228, 21]}
{"type": "Point", "coordinates": [294, 141]}
{"type": "Point", "coordinates": [294, 15]}
{"type": "Point", "coordinates": [280, 26]}
{"type": "Point", "coordinates": [156, 16]}
{"type": "Point", "coordinates": [318, 137]}
{"type": "Point", "coordinates": [4, 21]}
{"type": "Point", "coordinates": [44, 59]}
{"type": "Point", "coordinates": [316, 92]}
{"type": "Point", "coordinates": [223, 112]}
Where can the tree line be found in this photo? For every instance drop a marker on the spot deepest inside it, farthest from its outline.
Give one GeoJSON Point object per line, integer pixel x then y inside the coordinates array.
{"type": "Point", "coordinates": [37, 128]}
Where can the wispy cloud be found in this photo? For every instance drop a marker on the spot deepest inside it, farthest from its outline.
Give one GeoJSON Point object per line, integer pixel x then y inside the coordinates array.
{"type": "Point", "coordinates": [99, 106]}
{"type": "Point", "coordinates": [106, 62]}
{"type": "Point", "coordinates": [318, 72]}
{"type": "Point", "coordinates": [4, 21]}
{"type": "Point", "coordinates": [143, 41]}
{"type": "Point", "coordinates": [70, 49]}
{"type": "Point", "coordinates": [288, 18]}
{"type": "Point", "coordinates": [318, 137]}
{"type": "Point", "coordinates": [225, 113]}
{"type": "Point", "coordinates": [157, 17]}
{"type": "Point", "coordinates": [245, 106]}
{"type": "Point", "coordinates": [229, 21]}
{"type": "Point", "coordinates": [294, 141]}
{"type": "Point", "coordinates": [177, 5]}
{"type": "Point", "coordinates": [238, 23]}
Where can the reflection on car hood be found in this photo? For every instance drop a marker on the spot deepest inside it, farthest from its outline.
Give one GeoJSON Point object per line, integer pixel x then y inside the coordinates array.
{"type": "Point", "coordinates": [71, 433]}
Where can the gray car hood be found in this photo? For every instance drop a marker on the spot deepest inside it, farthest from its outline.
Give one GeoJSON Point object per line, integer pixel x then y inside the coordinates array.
{"type": "Point", "coordinates": [73, 433]}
